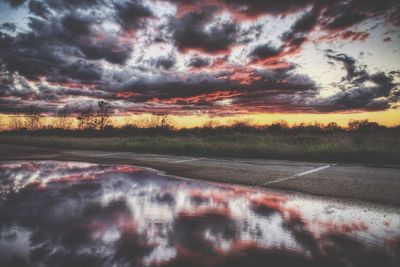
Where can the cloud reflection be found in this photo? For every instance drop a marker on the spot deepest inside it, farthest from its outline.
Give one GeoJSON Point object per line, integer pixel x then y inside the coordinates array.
{"type": "Point", "coordinates": [80, 214]}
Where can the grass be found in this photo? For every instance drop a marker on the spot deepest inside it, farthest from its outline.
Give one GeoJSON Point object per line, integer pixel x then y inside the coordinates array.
{"type": "Point", "coordinates": [339, 147]}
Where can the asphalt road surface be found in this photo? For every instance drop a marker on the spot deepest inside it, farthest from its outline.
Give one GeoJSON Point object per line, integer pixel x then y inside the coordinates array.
{"type": "Point", "coordinates": [372, 183]}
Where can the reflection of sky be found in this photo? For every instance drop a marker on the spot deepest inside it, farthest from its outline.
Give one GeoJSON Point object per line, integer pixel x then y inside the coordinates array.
{"type": "Point", "coordinates": [114, 215]}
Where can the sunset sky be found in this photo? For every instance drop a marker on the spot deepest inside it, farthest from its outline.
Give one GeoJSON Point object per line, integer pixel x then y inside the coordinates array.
{"type": "Point", "coordinates": [297, 60]}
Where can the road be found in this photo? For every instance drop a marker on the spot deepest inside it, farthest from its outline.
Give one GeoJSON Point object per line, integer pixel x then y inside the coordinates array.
{"type": "Point", "coordinates": [373, 183]}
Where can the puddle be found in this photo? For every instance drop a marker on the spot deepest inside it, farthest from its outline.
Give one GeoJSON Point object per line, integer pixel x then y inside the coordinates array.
{"type": "Point", "coordinates": [81, 214]}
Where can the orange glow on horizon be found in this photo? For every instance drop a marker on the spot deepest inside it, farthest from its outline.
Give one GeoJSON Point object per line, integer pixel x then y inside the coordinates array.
{"type": "Point", "coordinates": [386, 118]}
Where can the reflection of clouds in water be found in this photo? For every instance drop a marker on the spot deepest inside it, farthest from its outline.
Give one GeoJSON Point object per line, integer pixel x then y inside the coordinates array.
{"type": "Point", "coordinates": [124, 215]}
{"type": "Point", "coordinates": [19, 176]}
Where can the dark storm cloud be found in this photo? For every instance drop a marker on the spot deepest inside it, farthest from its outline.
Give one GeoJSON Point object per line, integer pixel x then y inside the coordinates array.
{"type": "Point", "coordinates": [302, 26]}
{"type": "Point", "coordinates": [177, 88]}
{"type": "Point", "coordinates": [292, 39]}
{"type": "Point", "coordinates": [349, 64]}
{"type": "Point", "coordinates": [201, 90]}
{"type": "Point", "coordinates": [189, 32]}
{"type": "Point", "coordinates": [51, 43]}
{"type": "Point", "coordinates": [335, 15]}
{"type": "Point", "coordinates": [57, 4]}
{"type": "Point", "coordinates": [164, 62]}
{"type": "Point", "coordinates": [17, 106]}
{"type": "Point", "coordinates": [39, 8]}
{"type": "Point", "coordinates": [343, 14]}
{"type": "Point", "coordinates": [81, 47]}
{"type": "Point", "coordinates": [393, 18]}
{"type": "Point", "coordinates": [83, 71]}
{"type": "Point", "coordinates": [130, 14]}
{"type": "Point", "coordinates": [77, 25]}
{"type": "Point", "coordinates": [26, 56]}
{"type": "Point", "coordinates": [275, 7]}
{"type": "Point", "coordinates": [62, 5]}
{"type": "Point", "coordinates": [359, 88]}
{"type": "Point", "coordinates": [198, 62]}
{"type": "Point", "coordinates": [107, 49]}
{"type": "Point", "coordinates": [52, 46]}
{"type": "Point", "coordinates": [264, 51]}
{"type": "Point", "coordinates": [7, 88]}
{"type": "Point", "coordinates": [15, 3]}
{"type": "Point", "coordinates": [10, 27]}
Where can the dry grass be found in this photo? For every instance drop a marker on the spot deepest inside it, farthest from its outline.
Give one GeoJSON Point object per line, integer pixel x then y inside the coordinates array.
{"type": "Point", "coordinates": [341, 147]}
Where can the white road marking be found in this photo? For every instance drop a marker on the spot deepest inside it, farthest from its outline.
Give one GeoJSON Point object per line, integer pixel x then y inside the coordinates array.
{"type": "Point", "coordinates": [300, 174]}
{"type": "Point", "coordinates": [107, 154]}
{"type": "Point", "coordinates": [186, 160]}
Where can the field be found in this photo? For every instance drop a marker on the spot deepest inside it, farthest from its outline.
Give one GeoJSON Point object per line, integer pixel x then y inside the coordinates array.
{"type": "Point", "coordinates": [381, 147]}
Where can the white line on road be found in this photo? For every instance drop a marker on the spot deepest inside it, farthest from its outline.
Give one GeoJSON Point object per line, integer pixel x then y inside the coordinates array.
{"type": "Point", "coordinates": [107, 154]}
{"type": "Point", "coordinates": [300, 174]}
{"type": "Point", "coordinates": [186, 160]}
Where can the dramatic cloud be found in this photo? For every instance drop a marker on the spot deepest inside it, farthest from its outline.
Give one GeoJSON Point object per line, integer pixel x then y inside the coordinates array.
{"type": "Point", "coordinates": [189, 32]}
{"type": "Point", "coordinates": [274, 7]}
{"type": "Point", "coordinates": [15, 3]}
{"type": "Point", "coordinates": [216, 57]}
{"type": "Point", "coordinates": [10, 27]}
{"type": "Point", "coordinates": [198, 62]}
{"type": "Point", "coordinates": [361, 89]}
{"type": "Point", "coordinates": [264, 51]}
{"type": "Point", "coordinates": [130, 14]}
{"type": "Point", "coordinates": [342, 14]}
{"type": "Point", "coordinates": [164, 62]}
{"type": "Point", "coordinates": [39, 9]}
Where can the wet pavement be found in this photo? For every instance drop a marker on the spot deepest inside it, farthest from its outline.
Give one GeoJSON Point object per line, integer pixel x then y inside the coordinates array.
{"type": "Point", "coordinates": [56, 213]}
{"type": "Point", "coordinates": [372, 183]}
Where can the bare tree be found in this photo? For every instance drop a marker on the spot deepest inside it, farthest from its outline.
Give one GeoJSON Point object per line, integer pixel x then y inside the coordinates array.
{"type": "Point", "coordinates": [103, 114]}
{"type": "Point", "coordinates": [63, 119]}
{"type": "Point", "coordinates": [86, 118]}
{"type": "Point", "coordinates": [16, 123]}
{"type": "Point", "coordinates": [33, 118]}
{"type": "Point", "coordinates": [159, 121]}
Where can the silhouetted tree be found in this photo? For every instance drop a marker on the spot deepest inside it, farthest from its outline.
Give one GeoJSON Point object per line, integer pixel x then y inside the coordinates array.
{"type": "Point", "coordinates": [104, 111]}
{"type": "Point", "coordinates": [243, 125]}
{"type": "Point", "coordinates": [279, 126]}
{"type": "Point", "coordinates": [63, 119]}
{"type": "Point", "coordinates": [332, 127]}
{"type": "Point", "coordinates": [363, 125]}
{"type": "Point", "coordinates": [86, 118]}
{"type": "Point", "coordinates": [160, 121]}
{"type": "Point", "coordinates": [33, 120]}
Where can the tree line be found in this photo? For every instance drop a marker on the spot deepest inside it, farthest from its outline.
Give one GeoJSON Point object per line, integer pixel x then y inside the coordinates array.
{"type": "Point", "coordinates": [96, 120]}
{"type": "Point", "coordinates": [91, 117]}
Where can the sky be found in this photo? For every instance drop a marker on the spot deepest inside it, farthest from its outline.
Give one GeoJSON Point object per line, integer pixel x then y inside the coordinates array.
{"type": "Point", "coordinates": [298, 60]}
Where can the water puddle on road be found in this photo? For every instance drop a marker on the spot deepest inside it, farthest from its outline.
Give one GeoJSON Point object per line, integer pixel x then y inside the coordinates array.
{"type": "Point", "coordinates": [80, 214]}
